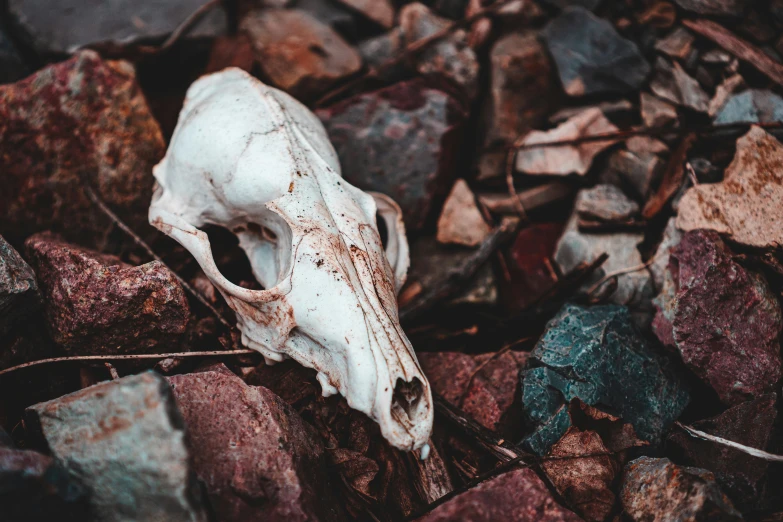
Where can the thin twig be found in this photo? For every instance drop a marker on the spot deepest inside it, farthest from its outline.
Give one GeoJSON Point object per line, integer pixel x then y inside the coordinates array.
{"type": "Point", "coordinates": [410, 50]}
{"type": "Point", "coordinates": [140, 242]}
{"type": "Point", "coordinates": [188, 24]}
{"type": "Point", "coordinates": [620, 272]}
{"type": "Point", "coordinates": [82, 358]}
{"type": "Point", "coordinates": [693, 432]}
{"type": "Point", "coordinates": [510, 159]}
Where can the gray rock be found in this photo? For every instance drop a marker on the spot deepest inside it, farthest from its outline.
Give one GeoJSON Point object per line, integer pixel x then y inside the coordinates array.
{"type": "Point", "coordinates": [753, 105]}
{"type": "Point", "coordinates": [401, 141]}
{"type": "Point", "coordinates": [658, 490]}
{"type": "Point", "coordinates": [605, 203]}
{"type": "Point", "coordinates": [637, 170]}
{"type": "Point", "coordinates": [68, 25]}
{"type": "Point", "coordinates": [606, 62]}
{"type": "Point", "coordinates": [672, 83]}
{"type": "Point", "coordinates": [656, 112]}
{"type": "Point", "coordinates": [12, 68]}
{"type": "Point", "coordinates": [597, 355]}
{"type": "Point", "coordinates": [715, 7]}
{"type": "Point", "coordinates": [124, 441]}
{"type": "Point", "coordinates": [18, 288]}
{"type": "Point", "coordinates": [576, 247]}
{"type": "Point", "coordinates": [258, 459]}
{"type": "Point", "coordinates": [451, 58]}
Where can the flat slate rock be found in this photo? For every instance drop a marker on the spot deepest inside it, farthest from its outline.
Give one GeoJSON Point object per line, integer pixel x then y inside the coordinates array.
{"type": "Point", "coordinates": [741, 476]}
{"type": "Point", "coordinates": [97, 305]}
{"type": "Point", "coordinates": [124, 441]}
{"type": "Point", "coordinates": [597, 355]}
{"type": "Point", "coordinates": [658, 490]}
{"type": "Point", "coordinates": [515, 496]}
{"type": "Point", "coordinates": [722, 318]}
{"type": "Point", "coordinates": [605, 203]}
{"type": "Point", "coordinates": [18, 287]}
{"type": "Point", "coordinates": [401, 141]}
{"type": "Point", "coordinates": [258, 459]}
{"type": "Point", "coordinates": [65, 26]}
{"type": "Point", "coordinates": [753, 105]}
{"type": "Point", "coordinates": [69, 121]}
{"type": "Point", "coordinates": [606, 62]}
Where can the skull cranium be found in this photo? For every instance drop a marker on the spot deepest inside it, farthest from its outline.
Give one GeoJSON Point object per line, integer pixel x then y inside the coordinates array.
{"type": "Point", "coordinates": [254, 160]}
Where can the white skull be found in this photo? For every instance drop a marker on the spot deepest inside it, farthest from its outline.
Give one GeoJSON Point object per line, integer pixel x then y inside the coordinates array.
{"type": "Point", "coordinates": [254, 160]}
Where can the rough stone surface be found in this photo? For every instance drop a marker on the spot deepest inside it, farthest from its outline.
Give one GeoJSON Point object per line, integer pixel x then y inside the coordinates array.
{"type": "Point", "coordinates": [753, 105]}
{"type": "Point", "coordinates": [566, 159]}
{"type": "Point", "coordinates": [722, 318]}
{"type": "Point", "coordinates": [637, 170]}
{"type": "Point", "coordinates": [258, 459]}
{"type": "Point", "coordinates": [657, 112]}
{"type": "Point", "coordinates": [741, 476]}
{"type": "Point", "coordinates": [605, 203]}
{"type": "Point", "coordinates": [597, 355]}
{"type": "Point", "coordinates": [18, 288]}
{"type": "Point", "coordinates": [451, 58]}
{"type": "Point", "coordinates": [575, 247]}
{"type": "Point", "coordinates": [71, 120]}
{"type": "Point", "coordinates": [748, 204]}
{"type": "Point", "coordinates": [515, 496]}
{"type": "Point", "coordinates": [715, 7]}
{"type": "Point", "coordinates": [12, 68]}
{"type": "Point", "coordinates": [401, 141]}
{"type": "Point", "coordinates": [606, 62]}
{"type": "Point", "coordinates": [483, 386]}
{"type": "Point", "coordinates": [298, 53]}
{"type": "Point", "coordinates": [672, 83]}
{"type": "Point", "coordinates": [460, 220]}
{"type": "Point", "coordinates": [68, 25]}
{"type": "Point", "coordinates": [97, 305]}
{"type": "Point", "coordinates": [33, 487]}
{"type": "Point", "coordinates": [124, 441]}
{"type": "Point", "coordinates": [655, 490]}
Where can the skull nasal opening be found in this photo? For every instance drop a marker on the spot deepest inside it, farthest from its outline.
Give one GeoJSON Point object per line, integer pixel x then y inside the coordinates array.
{"type": "Point", "coordinates": [407, 400]}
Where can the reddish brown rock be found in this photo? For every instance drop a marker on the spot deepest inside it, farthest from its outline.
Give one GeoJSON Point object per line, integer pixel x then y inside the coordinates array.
{"type": "Point", "coordinates": [402, 141]}
{"type": "Point", "coordinates": [258, 459]}
{"type": "Point", "coordinates": [297, 52]}
{"type": "Point", "coordinates": [656, 490]}
{"type": "Point", "coordinates": [96, 304]}
{"type": "Point", "coordinates": [722, 318]}
{"type": "Point", "coordinates": [515, 496]}
{"type": "Point", "coordinates": [83, 118]}
{"type": "Point", "coordinates": [483, 385]}
{"type": "Point", "coordinates": [532, 271]}
{"type": "Point", "coordinates": [740, 475]}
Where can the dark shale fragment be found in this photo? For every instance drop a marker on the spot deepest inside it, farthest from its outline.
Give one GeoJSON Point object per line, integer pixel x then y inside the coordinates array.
{"type": "Point", "coordinates": [84, 120]}
{"type": "Point", "coordinates": [18, 288]}
{"type": "Point", "coordinates": [402, 141]}
{"type": "Point", "coordinates": [655, 490]}
{"type": "Point", "coordinates": [258, 459]}
{"type": "Point", "coordinates": [124, 441]}
{"type": "Point", "coordinates": [97, 305]}
{"type": "Point", "coordinates": [605, 62]}
{"type": "Point", "coordinates": [722, 318]}
{"type": "Point", "coordinates": [597, 355]}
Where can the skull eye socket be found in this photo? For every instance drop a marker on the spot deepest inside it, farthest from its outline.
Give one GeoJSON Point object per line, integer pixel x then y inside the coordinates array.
{"type": "Point", "coordinates": [230, 258]}
{"type": "Point", "coordinates": [383, 229]}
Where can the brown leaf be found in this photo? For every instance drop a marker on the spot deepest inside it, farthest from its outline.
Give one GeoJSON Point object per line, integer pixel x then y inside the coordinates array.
{"type": "Point", "coordinates": [672, 178]}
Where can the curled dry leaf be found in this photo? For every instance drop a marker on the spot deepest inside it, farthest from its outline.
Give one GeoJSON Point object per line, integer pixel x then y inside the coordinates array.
{"type": "Point", "coordinates": [565, 159]}
{"type": "Point", "coordinates": [747, 205]}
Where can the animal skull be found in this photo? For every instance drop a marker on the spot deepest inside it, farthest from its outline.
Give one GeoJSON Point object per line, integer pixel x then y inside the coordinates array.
{"type": "Point", "coordinates": [254, 160]}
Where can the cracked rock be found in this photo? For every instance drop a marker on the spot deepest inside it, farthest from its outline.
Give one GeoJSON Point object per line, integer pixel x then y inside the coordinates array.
{"type": "Point", "coordinates": [261, 462]}
{"type": "Point", "coordinates": [722, 318]}
{"type": "Point", "coordinates": [597, 355]}
{"type": "Point", "coordinates": [97, 305]}
{"type": "Point", "coordinates": [657, 490]}
{"type": "Point", "coordinates": [124, 441]}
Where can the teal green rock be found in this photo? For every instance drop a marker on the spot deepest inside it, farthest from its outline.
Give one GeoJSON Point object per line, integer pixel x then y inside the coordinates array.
{"type": "Point", "coordinates": [596, 354]}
